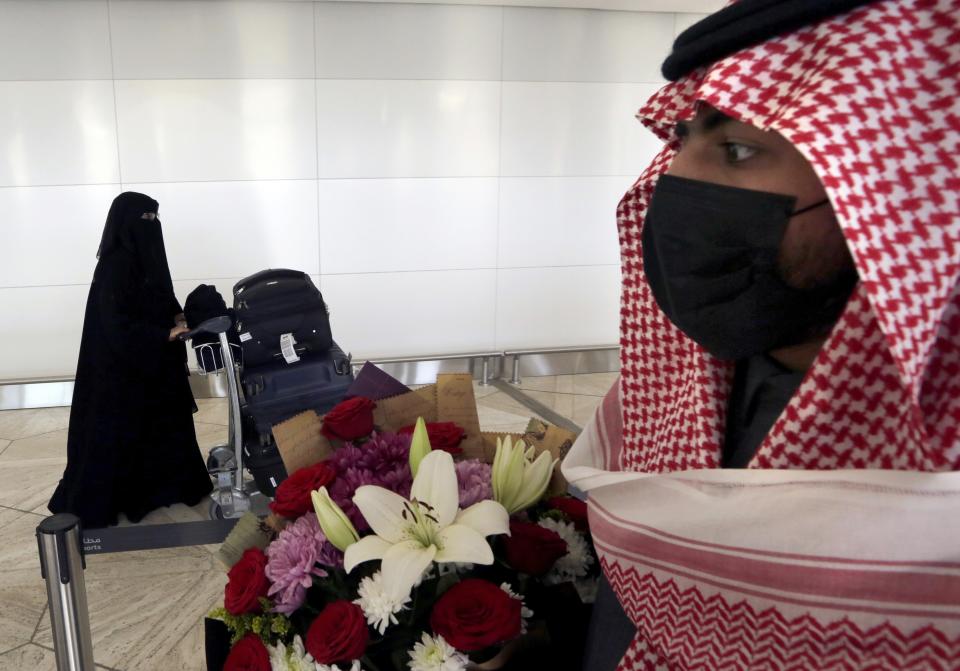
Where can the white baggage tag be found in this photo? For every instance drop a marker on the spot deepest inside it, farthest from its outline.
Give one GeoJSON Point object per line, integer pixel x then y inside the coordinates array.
{"type": "Point", "coordinates": [287, 341]}
{"type": "Point", "coordinates": [244, 337]}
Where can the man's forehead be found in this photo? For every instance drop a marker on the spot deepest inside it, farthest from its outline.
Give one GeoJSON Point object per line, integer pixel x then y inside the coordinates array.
{"type": "Point", "coordinates": [709, 117]}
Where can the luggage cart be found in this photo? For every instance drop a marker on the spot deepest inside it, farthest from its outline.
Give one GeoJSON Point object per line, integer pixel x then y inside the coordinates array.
{"type": "Point", "coordinates": [224, 462]}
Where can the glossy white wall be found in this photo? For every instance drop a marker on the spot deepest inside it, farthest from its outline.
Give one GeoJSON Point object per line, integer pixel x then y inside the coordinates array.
{"type": "Point", "coordinates": [448, 174]}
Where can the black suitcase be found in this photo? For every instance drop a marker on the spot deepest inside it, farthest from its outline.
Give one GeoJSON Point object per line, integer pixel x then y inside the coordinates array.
{"type": "Point", "coordinates": [278, 391]}
{"type": "Point", "coordinates": [262, 459]}
{"type": "Point", "coordinates": [272, 303]}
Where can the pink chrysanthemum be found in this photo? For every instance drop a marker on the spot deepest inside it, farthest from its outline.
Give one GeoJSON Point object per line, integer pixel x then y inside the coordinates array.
{"type": "Point", "coordinates": [473, 477]}
{"type": "Point", "coordinates": [383, 461]}
{"type": "Point", "coordinates": [294, 558]}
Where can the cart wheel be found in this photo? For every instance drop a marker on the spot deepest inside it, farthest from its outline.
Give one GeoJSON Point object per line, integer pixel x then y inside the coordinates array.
{"type": "Point", "coordinates": [215, 512]}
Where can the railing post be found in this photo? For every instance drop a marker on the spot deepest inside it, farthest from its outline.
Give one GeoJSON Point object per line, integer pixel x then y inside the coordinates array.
{"type": "Point", "coordinates": [62, 565]}
{"type": "Point", "coordinates": [485, 372]}
{"type": "Point", "coordinates": [515, 378]}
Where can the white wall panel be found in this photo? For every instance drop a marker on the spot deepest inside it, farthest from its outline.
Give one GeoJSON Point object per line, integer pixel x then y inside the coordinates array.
{"type": "Point", "coordinates": [547, 307]}
{"type": "Point", "coordinates": [411, 313]}
{"type": "Point", "coordinates": [61, 132]}
{"type": "Point", "coordinates": [395, 41]}
{"type": "Point", "coordinates": [437, 226]}
{"type": "Point", "coordinates": [50, 234]}
{"type": "Point", "coordinates": [206, 40]}
{"type": "Point", "coordinates": [408, 128]}
{"type": "Point", "coordinates": [580, 45]}
{"type": "Point", "coordinates": [575, 129]}
{"type": "Point", "coordinates": [62, 39]}
{"type": "Point", "coordinates": [178, 131]}
{"type": "Point", "coordinates": [559, 221]}
{"type": "Point", "coordinates": [44, 338]}
{"type": "Point", "coordinates": [383, 225]}
{"type": "Point", "coordinates": [234, 229]}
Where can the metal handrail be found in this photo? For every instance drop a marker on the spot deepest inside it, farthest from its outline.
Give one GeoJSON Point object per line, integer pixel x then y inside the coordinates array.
{"type": "Point", "coordinates": [37, 380]}
{"type": "Point", "coordinates": [485, 357]}
{"type": "Point", "coordinates": [357, 362]}
{"type": "Point", "coordinates": [517, 353]}
{"type": "Point", "coordinates": [425, 357]}
{"type": "Point", "coordinates": [560, 350]}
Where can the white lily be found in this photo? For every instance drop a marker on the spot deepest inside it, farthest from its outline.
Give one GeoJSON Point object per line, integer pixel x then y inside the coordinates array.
{"type": "Point", "coordinates": [410, 535]}
{"type": "Point", "coordinates": [419, 445]}
{"type": "Point", "coordinates": [518, 479]}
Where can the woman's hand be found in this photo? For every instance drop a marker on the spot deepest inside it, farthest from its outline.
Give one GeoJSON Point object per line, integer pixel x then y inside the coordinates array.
{"type": "Point", "coordinates": [177, 330]}
{"type": "Point", "coordinates": [180, 320]}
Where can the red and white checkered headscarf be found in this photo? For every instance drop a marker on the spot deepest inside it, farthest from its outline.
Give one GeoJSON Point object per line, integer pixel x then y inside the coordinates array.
{"type": "Point", "coordinates": [871, 98]}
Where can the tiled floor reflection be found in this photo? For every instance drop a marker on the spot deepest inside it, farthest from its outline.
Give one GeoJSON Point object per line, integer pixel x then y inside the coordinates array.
{"type": "Point", "coordinates": [147, 608]}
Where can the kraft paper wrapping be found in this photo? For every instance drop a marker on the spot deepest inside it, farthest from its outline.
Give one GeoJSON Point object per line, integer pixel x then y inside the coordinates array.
{"type": "Point", "coordinates": [300, 442]}
{"type": "Point", "coordinates": [456, 403]}
{"type": "Point", "coordinates": [395, 412]}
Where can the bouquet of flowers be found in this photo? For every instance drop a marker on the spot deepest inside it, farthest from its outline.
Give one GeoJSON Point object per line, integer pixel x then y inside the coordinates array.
{"type": "Point", "coordinates": [396, 553]}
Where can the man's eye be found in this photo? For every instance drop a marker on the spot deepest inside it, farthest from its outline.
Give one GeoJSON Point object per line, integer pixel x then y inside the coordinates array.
{"type": "Point", "coordinates": [735, 152]}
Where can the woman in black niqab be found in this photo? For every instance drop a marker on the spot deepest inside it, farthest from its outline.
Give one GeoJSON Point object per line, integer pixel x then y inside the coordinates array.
{"type": "Point", "coordinates": [131, 445]}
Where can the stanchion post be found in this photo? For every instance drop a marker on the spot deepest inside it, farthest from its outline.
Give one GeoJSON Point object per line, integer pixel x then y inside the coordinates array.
{"type": "Point", "coordinates": [515, 379]}
{"type": "Point", "coordinates": [485, 374]}
{"type": "Point", "coordinates": [62, 565]}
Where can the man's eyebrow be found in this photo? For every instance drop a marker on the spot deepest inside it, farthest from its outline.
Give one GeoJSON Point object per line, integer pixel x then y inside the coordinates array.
{"type": "Point", "coordinates": [714, 119]}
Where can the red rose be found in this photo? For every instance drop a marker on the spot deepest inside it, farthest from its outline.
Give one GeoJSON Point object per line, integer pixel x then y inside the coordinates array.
{"type": "Point", "coordinates": [249, 654]}
{"type": "Point", "coordinates": [532, 549]}
{"type": "Point", "coordinates": [475, 614]}
{"type": "Point", "coordinates": [349, 420]}
{"type": "Point", "coordinates": [573, 508]}
{"type": "Point", "coordinates": [445, 436]}
{"type": "Point", "coordinates": [338, 634]}
{"type": "Point", "coordinates": [246, 583]}
{"type": "Point", "coordinates": [292, 498]}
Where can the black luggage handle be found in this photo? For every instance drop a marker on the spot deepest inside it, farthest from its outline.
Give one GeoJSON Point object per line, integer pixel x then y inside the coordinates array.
{"type": "Point", "coordinates": [270, 273]}
{"type": "Point", "coordinates": [214, 326]}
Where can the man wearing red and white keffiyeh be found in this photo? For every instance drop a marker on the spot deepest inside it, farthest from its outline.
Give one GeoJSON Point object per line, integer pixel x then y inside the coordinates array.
{"type": "Point", "coordinates": [774, 482]}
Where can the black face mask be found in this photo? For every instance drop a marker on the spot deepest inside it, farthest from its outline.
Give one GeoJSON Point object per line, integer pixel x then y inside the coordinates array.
{"type": "Point", "coordinates": [710, 254]}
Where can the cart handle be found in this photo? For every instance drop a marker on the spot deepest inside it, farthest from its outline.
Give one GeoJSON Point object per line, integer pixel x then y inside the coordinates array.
{"type": "Point", "coordinates": [215, 326]}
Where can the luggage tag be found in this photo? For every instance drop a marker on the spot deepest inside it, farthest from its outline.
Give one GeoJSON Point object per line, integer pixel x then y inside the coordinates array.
{"type": "Point", "coordinates": [287, 342]}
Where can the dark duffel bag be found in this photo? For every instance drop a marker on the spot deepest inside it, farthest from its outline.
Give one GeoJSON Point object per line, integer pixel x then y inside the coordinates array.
{"type": "Point", "coordinates": [204, 303]}
{"type": "Point", "coordinates": [280, 316]}
{"type": "Point", "coordinates": [278, 391]}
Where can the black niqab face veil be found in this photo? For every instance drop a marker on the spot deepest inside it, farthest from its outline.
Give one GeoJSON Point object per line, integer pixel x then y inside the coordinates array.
{"type": "Point", "coordinates": [128, 229]}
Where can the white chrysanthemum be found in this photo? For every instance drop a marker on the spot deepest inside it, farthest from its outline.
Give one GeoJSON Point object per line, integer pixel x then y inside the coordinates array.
{"type": "Point", "coordinates": [379, 607]}
{"type": "Point", "coordinates": [294, 658]}
{"type": "Point", "coordinates": [525, 613]}
{"type": "Point", "coordinates": [333, 667]}
{"type": "Point", "coordinates": [433, 653]}
{"type": "Point", "coordinates": [576, 563]}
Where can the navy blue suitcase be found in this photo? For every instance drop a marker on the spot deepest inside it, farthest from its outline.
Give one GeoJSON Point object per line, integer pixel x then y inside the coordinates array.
{"type": "Point", "coordinates": [278, 391]}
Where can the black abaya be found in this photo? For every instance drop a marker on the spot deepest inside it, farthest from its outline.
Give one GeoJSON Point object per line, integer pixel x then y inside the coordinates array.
{"type": "Point", "coordinates": [131, 445]}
